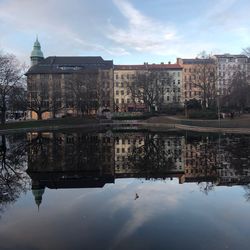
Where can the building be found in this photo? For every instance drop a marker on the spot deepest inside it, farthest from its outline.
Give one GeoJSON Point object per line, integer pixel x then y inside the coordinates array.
{"type": "Point", "coordinates": [168, 76]}
{"type": "Point", "coordinates": [124, 76]}
{"type": "Point", "coordinates": [196, 77]}
{"type": "Point", "coordinates": [227, 66]}
{"type": "Point", "coordinates": [61, 86]}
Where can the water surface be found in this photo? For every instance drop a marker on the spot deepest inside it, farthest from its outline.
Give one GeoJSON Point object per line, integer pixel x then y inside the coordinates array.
{"type": "Point", "coordinates": [107, 190]}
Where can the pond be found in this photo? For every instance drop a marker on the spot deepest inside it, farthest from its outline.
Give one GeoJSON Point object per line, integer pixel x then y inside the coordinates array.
{"type": "Point", "coordinates": [124, 190]}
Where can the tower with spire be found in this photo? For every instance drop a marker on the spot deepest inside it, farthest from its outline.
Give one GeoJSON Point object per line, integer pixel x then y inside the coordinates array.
{"type": "Point", "coordinates": [36, 54]}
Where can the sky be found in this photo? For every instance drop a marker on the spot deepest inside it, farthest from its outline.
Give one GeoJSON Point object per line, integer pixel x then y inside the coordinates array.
{"type": "Point", "coordinates": [126, 31]}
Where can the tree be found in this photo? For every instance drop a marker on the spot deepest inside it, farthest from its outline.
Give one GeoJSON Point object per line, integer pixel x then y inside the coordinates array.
{"type": "Point", "coordinates": [11, 73]}
{"type": "Point", "coordinates": [193, 104]}
{"type": "Point", "coordinates": [82, 92]}
{"type": "Point", "coordinates": [149, 87]}
{"type": "Point", "coordinates": [56, 98]}
{"type": "Point", "coordinates": [246, 51]}
{"type": "Point", "coordinates": [18, 99]}
{"type": "Point", "coordinates": [239, 91]}
{"type": "Point", "coordinates": [38, 101]}
{"type": "Point", "coordinates": [205, 79]}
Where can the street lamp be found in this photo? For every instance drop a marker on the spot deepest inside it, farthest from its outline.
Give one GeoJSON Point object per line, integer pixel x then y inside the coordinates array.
{"type": "Point", "coordinates": [218, 106]}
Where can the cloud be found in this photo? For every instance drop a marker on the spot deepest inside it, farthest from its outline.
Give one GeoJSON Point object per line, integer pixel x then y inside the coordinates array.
{"type": "Point", "coordinates": [142, 34]}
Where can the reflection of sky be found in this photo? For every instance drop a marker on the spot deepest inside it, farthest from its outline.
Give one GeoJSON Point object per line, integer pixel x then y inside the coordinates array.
{"type": "Point", "coordinates": [167, 215]}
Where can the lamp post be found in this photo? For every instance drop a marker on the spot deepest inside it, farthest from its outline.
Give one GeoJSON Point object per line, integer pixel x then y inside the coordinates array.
{"type": "Point", "coordinates": [218, 106]}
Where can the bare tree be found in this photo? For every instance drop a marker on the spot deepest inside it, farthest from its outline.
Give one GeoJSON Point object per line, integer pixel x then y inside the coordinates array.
{"type": "Point", "coordinates": [11, 73]}
{"type": "Point", "coordinates": [82, 92]}
{"type": "Point", "coordinates": [56, 98]}
{"type": "Point", "coordinates": [205, 79]}
{"type": "Point", "coordinates": [238, 97]}
{"type": "Point", "coordinates": [149, 88]}
{"type": "Point", "coordinates": [18, 99]}
{"type": "Point", "coordinates": [38, 99]}
{"type": "Point", "coordinates": [246, 51]}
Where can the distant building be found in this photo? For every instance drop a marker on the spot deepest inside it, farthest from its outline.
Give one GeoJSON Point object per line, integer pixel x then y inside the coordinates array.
{"type": "Point", "coordinates": [61, 86]}
{"type": "Point", "coordinates": [191, 74]}
{"type": "Point", "coordinates": [125, 75]}
{"type": "Point", "coordinates": [227, 65]}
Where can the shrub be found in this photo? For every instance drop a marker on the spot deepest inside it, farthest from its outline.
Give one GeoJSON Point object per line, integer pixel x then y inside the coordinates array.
{"type": "Point", "coordinates": [203, 115]}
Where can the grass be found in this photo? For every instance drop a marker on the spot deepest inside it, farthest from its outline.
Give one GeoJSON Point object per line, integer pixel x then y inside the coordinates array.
{"type": "Point", "coordinates": [49, 123]}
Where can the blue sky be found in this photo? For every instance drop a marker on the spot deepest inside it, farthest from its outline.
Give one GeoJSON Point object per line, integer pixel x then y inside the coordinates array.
{"type": "Point", "coordinates": [127, 31]}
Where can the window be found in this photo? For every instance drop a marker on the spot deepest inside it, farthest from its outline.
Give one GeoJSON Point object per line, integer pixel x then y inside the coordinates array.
{"type": "Point", "coordinates": [117, 84]}
{"type": "Point", "coordinates": [122, 92]}
{"type": "Point", "coordinates": [117, 101]}
{"type": "Point", "coordinates": [117, 92]}
{"type": "Point", "coordinates": [116, 76]}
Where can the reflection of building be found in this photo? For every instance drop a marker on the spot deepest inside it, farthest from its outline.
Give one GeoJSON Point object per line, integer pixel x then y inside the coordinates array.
{"type": "Point", "coordinates": [69, 85]}
{"type": "Point", "coordinates": [85, 160]}
{"type": "Point", "coordinates": [131, 150]}
{"type": "Point", "coordinates": [201, 161]}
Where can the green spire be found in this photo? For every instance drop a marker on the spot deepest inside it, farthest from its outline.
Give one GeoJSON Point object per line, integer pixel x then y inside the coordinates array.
{"type": "Point", "coordinates": [38, 195]}
{"type": "Point", "coordinates": [36, 54]}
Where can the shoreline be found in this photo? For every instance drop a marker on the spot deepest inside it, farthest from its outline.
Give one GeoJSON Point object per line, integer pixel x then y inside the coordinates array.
{"type": "Point", "coordinates": [132, 125]}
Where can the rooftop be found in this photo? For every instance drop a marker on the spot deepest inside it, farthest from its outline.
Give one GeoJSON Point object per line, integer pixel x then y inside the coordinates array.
{"type": "Point", "coordinates": [69, 64]}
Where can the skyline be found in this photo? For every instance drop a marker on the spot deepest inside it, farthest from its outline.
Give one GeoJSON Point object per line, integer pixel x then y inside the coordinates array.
{"type": "Point", "coordinates": [126, 31]}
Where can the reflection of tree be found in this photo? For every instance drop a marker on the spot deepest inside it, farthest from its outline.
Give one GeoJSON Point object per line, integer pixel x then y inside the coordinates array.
{"type": "Point", "coordinates": [151, 157]}
{"type": "Point", "coordinates": [13, 180]}
{"type": "Point", "coordinates": [247, 192]}
{"type": "Point", "coordinates": [66, 151]}
{"type": "Point", "coordinates": [202, 161]}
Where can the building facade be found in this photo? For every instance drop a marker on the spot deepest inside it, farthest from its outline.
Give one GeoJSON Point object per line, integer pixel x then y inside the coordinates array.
{"type": "Point", "coordinates": [61, 86]}
{"type": "Point", "coordinates": [199, 79]}
{"type": "Point", "coordinates": [227, 66]}
{"type": "Point", "coordinates": [169, 76]}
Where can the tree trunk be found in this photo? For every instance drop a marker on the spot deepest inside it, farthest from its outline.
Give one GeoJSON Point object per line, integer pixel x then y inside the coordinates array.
{"type": "Point", "coordinates": [3, 117]}
{"type": "Point", "coordinates": [39, 115]}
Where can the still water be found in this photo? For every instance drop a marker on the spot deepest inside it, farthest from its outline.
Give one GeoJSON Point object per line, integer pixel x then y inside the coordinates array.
{"type": "Point", "coordinates": [110, 190]}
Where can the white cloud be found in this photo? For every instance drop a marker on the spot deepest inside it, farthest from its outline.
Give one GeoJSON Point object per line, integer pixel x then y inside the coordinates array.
{"type": "Point", "coordinates": [142, 34]}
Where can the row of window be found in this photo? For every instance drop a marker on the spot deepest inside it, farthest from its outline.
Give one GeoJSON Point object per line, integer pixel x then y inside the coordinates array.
{"type": "Point", "coordinates": [122, 92]}
{"type": "Point", "coordinates": [175, 98]}
{"type": "Point", "coordinates": [122, 101]}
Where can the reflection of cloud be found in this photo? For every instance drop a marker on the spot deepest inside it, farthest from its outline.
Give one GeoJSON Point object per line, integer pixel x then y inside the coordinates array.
{"type": "Point", "coordinates": [146, 207]}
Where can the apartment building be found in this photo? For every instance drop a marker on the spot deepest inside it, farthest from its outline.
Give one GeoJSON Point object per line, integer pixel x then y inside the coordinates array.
{"type": "Point", "coordinates": [195, 75]}
{"type": "Point", "coordinates": [227, 66]}
{"type": "Point", "coordinates": [169, 76]}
